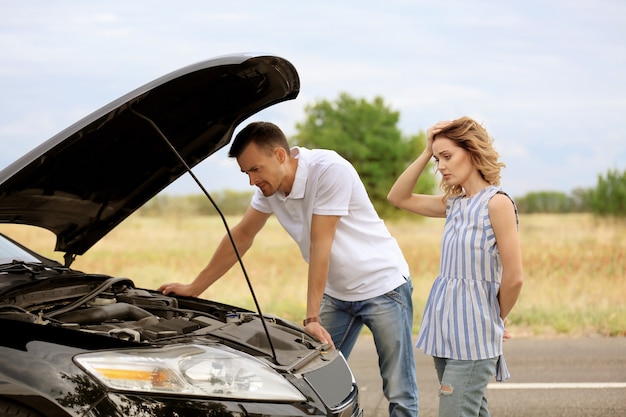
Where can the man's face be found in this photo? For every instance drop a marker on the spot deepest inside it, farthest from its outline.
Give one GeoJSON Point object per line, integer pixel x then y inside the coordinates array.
{"type": "Point", "coordinates": [265, 169]}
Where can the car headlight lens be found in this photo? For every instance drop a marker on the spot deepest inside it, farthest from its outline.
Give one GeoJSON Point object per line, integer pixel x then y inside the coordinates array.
{"type": "Point", "coordinates": [189, 370]}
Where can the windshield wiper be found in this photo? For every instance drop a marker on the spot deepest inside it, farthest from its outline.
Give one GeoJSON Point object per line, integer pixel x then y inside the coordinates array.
{"type": "Point", "coordinates": [21, 267]}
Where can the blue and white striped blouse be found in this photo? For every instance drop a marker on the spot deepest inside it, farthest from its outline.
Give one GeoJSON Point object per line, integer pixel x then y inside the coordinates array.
{"type": "Point", "coordinates": [462, 315]}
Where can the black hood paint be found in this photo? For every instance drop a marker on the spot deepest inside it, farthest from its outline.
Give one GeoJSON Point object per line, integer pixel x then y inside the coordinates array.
{"type": "Point", "coordinates": [87, 179]}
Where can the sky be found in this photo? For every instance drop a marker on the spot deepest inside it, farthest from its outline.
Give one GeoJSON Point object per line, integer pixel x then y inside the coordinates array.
{"type": "Point", "coordinates": [546, 78]}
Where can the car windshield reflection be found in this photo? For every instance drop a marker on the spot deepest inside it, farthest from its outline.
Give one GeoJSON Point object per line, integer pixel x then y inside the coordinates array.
{"type": "Point", "coordinates": [9, 253]}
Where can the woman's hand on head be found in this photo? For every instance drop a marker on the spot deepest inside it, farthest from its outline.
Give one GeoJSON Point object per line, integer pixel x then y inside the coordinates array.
{"type": "Point", "coordinates": [434, 130]}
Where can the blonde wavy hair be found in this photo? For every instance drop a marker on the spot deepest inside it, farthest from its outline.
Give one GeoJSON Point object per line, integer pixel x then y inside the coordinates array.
{"type": "Point", "coordinates": [472, 136]}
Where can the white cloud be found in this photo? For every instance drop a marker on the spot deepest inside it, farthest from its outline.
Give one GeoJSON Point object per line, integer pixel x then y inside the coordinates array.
{"type": "Point", "coordinates": [545, 77]}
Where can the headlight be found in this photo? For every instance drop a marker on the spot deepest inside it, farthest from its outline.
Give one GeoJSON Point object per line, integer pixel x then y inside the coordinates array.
{"type": "Point", "coordinates": [189, 370]}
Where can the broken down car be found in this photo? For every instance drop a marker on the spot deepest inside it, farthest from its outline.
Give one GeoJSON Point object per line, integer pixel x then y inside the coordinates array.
{"type": "Point", "coordinates": [88, 344]}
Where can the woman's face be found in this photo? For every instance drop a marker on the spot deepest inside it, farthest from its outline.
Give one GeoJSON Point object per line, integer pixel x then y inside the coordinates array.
{"type": "Point", "coordinates": [453, 162]}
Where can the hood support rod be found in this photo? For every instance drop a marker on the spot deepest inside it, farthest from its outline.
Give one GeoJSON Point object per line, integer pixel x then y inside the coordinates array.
{"type": "Point", "coordinates": [206, 193]}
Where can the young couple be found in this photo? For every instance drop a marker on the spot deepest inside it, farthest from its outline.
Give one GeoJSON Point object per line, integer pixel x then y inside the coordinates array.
{"type": "Point", "coordinates": [357, 274]}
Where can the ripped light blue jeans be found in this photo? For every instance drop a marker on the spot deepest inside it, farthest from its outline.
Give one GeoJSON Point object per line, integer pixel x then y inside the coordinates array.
{"type": "Point", "coordinates": [390, 319]}
{"type": "Point", "coordinates": [463, 384]}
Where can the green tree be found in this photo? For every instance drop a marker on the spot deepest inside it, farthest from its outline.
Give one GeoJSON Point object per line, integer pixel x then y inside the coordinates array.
{"type": "Point", "coordinates": [545, 202]}
{"type": "Point", "coordinates": [230, 203]}
{"type": "Point", "coordinates": [608, 198]}
{"type": "Point", "coordinates": [580, 200]}
{"type": "Point", "coordinates": [367, 135]}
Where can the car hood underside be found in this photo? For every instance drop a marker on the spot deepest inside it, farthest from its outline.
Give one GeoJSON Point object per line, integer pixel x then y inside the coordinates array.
{"type": "Point", "coordinates": [84, 181]}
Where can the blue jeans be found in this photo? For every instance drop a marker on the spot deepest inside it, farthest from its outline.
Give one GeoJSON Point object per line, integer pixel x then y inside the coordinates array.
{"type": "Point", "coordinates": [390, 319]}
{"type": "Point", "coordinates": [463, 384]}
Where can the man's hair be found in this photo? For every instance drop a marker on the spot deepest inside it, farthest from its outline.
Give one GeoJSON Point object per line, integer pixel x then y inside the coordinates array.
{"type": "Point", "coordinates": [267, 136]}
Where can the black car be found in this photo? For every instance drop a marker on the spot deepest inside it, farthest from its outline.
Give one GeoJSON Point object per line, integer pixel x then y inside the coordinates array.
{"type": "Point", "coordinates": [87, 344]}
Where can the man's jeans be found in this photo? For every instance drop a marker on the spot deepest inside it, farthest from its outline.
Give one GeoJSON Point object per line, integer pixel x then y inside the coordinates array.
{"type": "Point", "coordinates": [463, 384]}
{"type": "Point", "coordinates": [390, 319]}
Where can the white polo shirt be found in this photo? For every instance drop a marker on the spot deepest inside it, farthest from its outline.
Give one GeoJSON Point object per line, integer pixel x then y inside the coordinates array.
{"type": "Point", "coordinates": [366, 261]}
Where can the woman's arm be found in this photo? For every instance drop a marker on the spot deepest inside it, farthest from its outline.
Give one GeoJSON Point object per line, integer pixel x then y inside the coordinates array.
{"type": "Point", "coordinates": [401, 194]}
{"type": "Point", "coordinates": [504, 223]}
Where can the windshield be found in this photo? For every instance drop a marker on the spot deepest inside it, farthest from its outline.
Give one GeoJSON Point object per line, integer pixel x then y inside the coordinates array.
{"type": "Point", "coordinates": [10, 252]}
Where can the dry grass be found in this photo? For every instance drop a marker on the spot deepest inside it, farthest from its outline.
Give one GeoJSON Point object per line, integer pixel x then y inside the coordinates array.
{"type": "Point", "coordinates": [575, 267]}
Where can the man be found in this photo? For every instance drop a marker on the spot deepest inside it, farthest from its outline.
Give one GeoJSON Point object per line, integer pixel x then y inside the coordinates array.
{"type": "Point", "coordinates": [357, 274]}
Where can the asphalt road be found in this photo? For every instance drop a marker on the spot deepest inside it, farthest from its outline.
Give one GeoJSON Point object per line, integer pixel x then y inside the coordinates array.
{"type": "Point", "coordinates": [580, 377]}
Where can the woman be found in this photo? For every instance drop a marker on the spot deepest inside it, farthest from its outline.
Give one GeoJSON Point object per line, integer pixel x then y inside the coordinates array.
{"type": "Point", "coordinates": [481, 273]}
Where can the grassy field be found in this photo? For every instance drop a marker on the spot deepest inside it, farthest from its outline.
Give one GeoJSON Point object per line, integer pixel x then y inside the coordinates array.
{"type": "Point", "coordinates": [575, 267]}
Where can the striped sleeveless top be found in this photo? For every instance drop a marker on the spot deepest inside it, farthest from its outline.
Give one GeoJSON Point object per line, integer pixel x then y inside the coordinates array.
{"type": "Point", "coordinates": [462, 315]}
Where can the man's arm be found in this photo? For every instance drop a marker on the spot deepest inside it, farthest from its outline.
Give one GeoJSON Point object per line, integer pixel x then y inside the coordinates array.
{"type": "Point", "coordinates": [224, 257]}
{"type": "Point", "coordinates": [323, 230]}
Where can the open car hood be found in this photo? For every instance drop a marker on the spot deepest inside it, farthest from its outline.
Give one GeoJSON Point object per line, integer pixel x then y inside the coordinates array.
{"type": "Point", "coordinates": [87, 179]}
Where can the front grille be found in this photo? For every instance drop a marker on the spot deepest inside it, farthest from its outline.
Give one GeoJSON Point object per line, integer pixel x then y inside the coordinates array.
{"type": "Point", "coordinates": [334, 383]}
